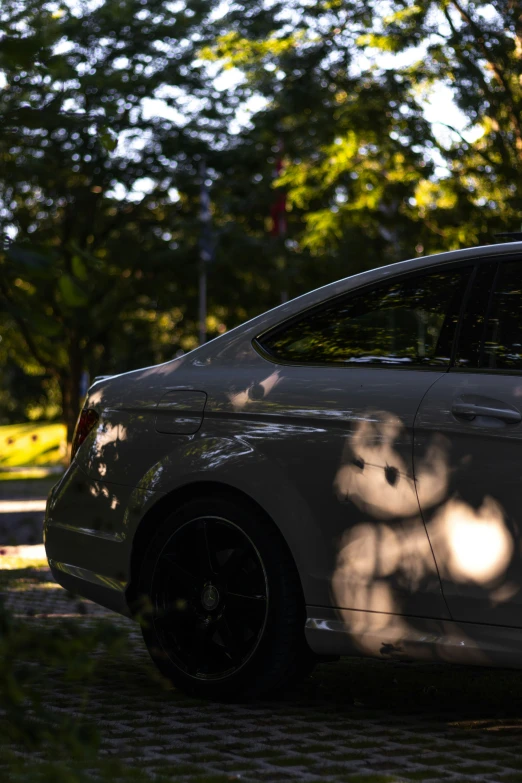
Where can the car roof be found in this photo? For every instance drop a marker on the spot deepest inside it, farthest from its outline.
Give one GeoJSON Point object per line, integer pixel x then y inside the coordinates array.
{"type": "Point", "coordinates": [421, 262]}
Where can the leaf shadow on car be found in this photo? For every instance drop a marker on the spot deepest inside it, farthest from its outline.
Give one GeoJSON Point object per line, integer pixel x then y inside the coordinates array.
{"type": "Point", "coordinates": [389, 553]}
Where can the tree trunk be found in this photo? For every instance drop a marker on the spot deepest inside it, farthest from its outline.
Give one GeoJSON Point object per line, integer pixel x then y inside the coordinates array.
{"type": "Point", "coordinates": [70, 382]}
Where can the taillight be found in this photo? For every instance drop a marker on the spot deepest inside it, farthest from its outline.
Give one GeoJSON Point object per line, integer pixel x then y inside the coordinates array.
{"type": "Point", "coordinates": [86, 421]}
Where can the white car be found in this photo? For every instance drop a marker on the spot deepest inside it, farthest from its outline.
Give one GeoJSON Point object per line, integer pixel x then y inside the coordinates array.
{"type": "Point", "coordinates": [339, 476]}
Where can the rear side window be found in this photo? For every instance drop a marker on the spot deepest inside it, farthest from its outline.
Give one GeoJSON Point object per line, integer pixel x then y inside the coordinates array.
{"type": "Point", "coordinates": [502, 345]}
{"type": "Point", "coordinates": [474, 321]}
{"type": "Point", "coordinates": [407, 322]}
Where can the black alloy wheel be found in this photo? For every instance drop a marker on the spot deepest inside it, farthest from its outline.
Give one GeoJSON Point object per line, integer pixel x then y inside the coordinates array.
{"type": "Point", "coordinates": [210, 597]}
{"type": "Point", "coordinates": [226, 613]}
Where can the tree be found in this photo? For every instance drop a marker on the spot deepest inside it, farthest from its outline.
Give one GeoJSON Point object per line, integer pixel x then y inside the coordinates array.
{"type": "Point", "coordinates": [354, 135]}
{"type": "Point", "coordinates": [75, 145]}
{"type": "Point", "coordinates": [369, 180]}
{"type": "Point", "coordinates": [475, 50]}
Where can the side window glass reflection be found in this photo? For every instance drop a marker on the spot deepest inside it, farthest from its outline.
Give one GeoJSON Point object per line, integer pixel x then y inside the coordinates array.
{"type": "Point", "coordinates": [473, 324]}
{"type": "Point", "coordinates": [408, 322]}
{"type": "Point", "coordinates": [502, 345]}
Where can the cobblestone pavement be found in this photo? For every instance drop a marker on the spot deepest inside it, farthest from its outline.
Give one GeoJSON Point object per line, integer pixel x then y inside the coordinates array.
{"type": "Point", "coordinates": [350, 721]}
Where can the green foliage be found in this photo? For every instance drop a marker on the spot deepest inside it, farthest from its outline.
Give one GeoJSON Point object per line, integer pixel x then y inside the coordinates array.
{"type": "Point", "coordinates": [101, 194]}
{"type": "Point", "coordinates": [476, 50]}
{"type": "Point", "coordinates": [360, 153]}
{"type": "Point", "coordinates": [352, 137]}
{"type": "Point", "coordinates": [30, 721]}
{"type": "Point", "coordinates": [90, 274]}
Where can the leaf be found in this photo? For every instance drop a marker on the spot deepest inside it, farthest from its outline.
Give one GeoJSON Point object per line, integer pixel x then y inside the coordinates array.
{"type": "Point", "coordinates": [108, 139]}
{"type": "Point", "coordinates": [93, 262]}
{"type": "Point", "coordinates": [33, 261]}
{"type": "Point", "coordinates": [73, 295]}
{"type": "Point", "coordinates": [19, 52]}
{"type": "Point", "coordinates": [43, 325]}
{"type": "Point", "coordinates": [79, 269]}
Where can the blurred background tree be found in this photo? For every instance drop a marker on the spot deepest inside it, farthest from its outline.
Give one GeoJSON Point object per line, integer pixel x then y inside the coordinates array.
{"type": "Point", "coordinates": [94, 274]}
{"type": "Point", "coordinates": [474, 50]}
{"type": "Point", "coordinates": [108, 109]}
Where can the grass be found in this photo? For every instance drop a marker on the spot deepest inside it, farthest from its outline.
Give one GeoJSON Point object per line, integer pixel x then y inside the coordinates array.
{"type": "Point", "coordinates": [34, 474]}
{"type": "Point", "coordinates": [32, 445]}
{"type": "Point", "coordinates": [22, 565]}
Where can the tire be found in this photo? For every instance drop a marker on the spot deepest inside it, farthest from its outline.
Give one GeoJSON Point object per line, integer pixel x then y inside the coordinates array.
{"type": "Point", "coordinates": [226, 610]}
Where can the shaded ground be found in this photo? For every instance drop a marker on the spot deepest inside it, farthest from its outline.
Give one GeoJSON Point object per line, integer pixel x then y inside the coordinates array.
{"type": "Point", "coordinates": [351, 721]}
{"type": "Point", "coordinates": [22, 506]}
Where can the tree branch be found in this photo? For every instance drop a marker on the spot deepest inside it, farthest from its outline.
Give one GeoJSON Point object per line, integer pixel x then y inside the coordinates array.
{"type": "Point", "coordinates": [26, 334]}
{"type": "Point", "coordinates": [504, 151]}
{"type": "Point", "coordinates": [499, 73]}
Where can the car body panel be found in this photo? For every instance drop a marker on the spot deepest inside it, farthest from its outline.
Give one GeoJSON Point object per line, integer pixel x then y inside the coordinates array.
{"type": "Point", "coordinates": [86, 535]}
{"type": "Point", "coordinates": [286, 435]}
{"type": "Point", "coordinates": [227, 458]}
{"type": "Point", "coordinates": [475, 527]}
{"type": "Point", "coordinates": [401, 638]}
{"type": "Point", "coordinates": [180, 412]}
{"type": "Point", "coordinates": [312, 425]}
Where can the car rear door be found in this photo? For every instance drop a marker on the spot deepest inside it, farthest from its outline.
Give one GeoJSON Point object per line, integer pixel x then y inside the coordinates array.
{"type": "Point", "coordinates": [474, 522]}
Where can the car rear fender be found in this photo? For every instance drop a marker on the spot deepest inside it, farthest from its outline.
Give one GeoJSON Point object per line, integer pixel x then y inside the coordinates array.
{"type": "Point", "coordinates": [236, 465]}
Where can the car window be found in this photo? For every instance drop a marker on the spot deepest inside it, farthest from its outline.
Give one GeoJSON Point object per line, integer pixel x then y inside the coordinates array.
{"type": "Point", "coordinates": [502, 344]}
{"type": "Point", "coordinates": [474, 320]}
{"type": "Point", "coordinates": [406, 322]}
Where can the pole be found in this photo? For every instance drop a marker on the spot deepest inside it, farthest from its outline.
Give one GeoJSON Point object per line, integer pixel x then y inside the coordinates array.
{"type": "Point", "coordinates": [278, 214]}
{"type": "Point", "coordinates": [284, 268]}
{"type": "Point", "coordinates": [205, 250]}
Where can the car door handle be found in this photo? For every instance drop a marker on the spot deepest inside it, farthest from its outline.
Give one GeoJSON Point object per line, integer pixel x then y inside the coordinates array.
{"type": "Point", "coordinates": [469, 410]}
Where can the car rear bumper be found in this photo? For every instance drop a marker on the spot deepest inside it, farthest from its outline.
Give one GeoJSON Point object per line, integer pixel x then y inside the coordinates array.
{"type": "Point", "coordinates": [88, 532]}
{"type": "Point", "coordinates": [89, 584]}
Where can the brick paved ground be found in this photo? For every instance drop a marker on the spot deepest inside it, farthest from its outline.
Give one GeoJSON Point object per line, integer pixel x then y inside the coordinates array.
{"type": "Point", "coordinates": [351, 721]}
